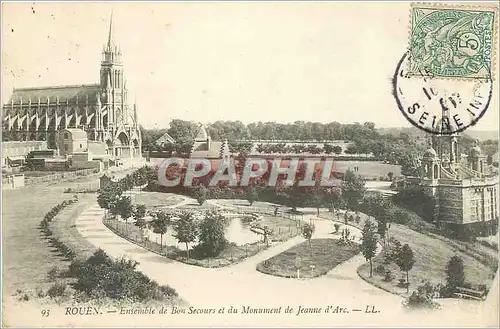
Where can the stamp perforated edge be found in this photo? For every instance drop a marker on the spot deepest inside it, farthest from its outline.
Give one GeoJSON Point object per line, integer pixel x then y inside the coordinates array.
{"type": "Point", "coordinates": [451, 5]}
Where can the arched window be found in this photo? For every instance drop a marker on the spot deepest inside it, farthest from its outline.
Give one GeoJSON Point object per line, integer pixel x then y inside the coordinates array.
{"type": "Point", "coordinates": [436, 171]}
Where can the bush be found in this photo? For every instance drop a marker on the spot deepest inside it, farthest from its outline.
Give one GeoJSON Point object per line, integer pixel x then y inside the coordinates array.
{"type": "Point", "coordinates": [56, 290]}
{"type": "Point", "coordinates": [422, 298]}
{"type": "Point", "coordinates": [380, 270]}
{"type": "Point", "coordinates": [53, 273]}
{"type": "Point", "coordinates": [337, 227]}
{"type": "Point", "coordinates": [40, 293]}
{"type": "Point", "coordinates": [388, 276]}
{"type": "Point", "coordinates": [100, 276]}
{"type": "Point", "coordinates": [402, 283]}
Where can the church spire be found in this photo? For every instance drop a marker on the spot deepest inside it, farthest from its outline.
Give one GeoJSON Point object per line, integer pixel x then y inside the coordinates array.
{"type": "Point", "coordinates": [111, 40]}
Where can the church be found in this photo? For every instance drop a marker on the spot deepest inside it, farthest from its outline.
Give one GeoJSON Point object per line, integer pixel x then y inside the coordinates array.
{"type": "Point", "coordinates": [101, 110]}
{"type": "Point", "coordinates": [464, 186]}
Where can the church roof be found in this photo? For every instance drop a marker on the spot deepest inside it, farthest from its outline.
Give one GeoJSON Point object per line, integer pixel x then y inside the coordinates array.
{"type": "Point", "coordinates": [200, 150]}
{"type": "Point", "coordinates": [202, 134]}
{"type": "Point", "coordinates": [76, 133]}
{"type": "Point", "coordinates": [165, 138]}
{"type": "Point", "coordinates": [63, 93]}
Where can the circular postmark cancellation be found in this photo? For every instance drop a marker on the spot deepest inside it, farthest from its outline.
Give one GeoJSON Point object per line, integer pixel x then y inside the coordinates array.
{"type": "Point", "coordinates": [440, 106]}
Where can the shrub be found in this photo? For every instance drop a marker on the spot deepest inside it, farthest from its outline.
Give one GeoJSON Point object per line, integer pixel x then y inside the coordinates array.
{"type": "Point", "coordinates": [100, 276]}
{"type": "Point", "coordinates": [337, 227]}
{"type": "Point", "coordinates": [40, 293]}
{"type": "Point", "coordinates": [380, 270]}
{"type": "Point", "coordinates": [422, 298]}
{"type": "Point", "coordinates": [388, 276]}
{"type": "Point", "coordinates": [455, 275]}
{"type": "Point", "coordinates": [402, 283]}
{"type": "Point", "coordinates": [56, 290]}
{"type": "Point", "coordinates": [53, 273]}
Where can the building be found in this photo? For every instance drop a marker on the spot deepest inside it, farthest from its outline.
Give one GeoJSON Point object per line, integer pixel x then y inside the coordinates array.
{"type": "Point", "coordinates": [165, 139]}
{"type": "Point", "coordinates": [101, 110]}
{"type": "Point", "coordinates": [71, 141]}
{"type": "Point", "coordinates": [14, 153]}
{"type": "Point", "coordinates": [464, 186]}
{"type": "Point", "coordinates": [204, 147]}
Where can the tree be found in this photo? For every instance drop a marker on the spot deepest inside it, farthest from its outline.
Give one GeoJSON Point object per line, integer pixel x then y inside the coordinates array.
{"type": "Point", "coordinates": [200, 194]}
{"type": "Point", "coordinates": [125, 209]}
{"type": "Point", "coordinates": [160, 224]}
{"type": "Point", "coordinates": [353, 189]}
{"type": "Point", "coordinates": [139, 214]}
{"type": "Point", "coordinates": [382, 228]}
{"type": "Point", "coordinates": [212, 233]}
{"type": "Point", "coordinates": [390, 175]}
{"type": "Point", "coordinates": [369, 243]}
{"type": "Point", "coordinates": [108, 196]}
{"type": "Point", "coordinates": [405, 261]}
{"type": "Point", "coordinates": [307, 233]}
{"type": "Point", "coordinates": [455, 275]}
{"type": "Point", "coordinates": [267, 232]}
{"type": "Point", "coordinates": [252, 194]}
{"type": "Point", "coordinates": [186, 229]}
{"type": "Point", "coordinates": [317, 199]}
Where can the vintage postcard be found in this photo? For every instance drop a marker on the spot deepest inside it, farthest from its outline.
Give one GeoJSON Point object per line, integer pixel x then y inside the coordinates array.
{"type": "Point", "coordinates": [250, 164]}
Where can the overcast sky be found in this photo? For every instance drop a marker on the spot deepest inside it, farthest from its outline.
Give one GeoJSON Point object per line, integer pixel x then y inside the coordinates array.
{"type": "Point", "coordinates": [222, 61]}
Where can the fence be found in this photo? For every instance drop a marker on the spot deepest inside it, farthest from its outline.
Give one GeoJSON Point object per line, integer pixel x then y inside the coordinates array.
{"type": "Point", "coordinates": [59, 176]}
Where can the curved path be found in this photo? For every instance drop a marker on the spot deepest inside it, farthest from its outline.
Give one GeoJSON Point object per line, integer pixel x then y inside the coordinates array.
{"type": "Point", "coordinates": [241, 284]}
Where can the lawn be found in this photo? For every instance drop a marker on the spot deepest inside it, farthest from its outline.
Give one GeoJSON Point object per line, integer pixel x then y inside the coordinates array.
{"type": "Point", "coordinates": [369, 169]}
{"type": "Point", "coordinates": [326, 254]}
{"type": "Point", "coordinates": [64, 229]}
{"type": "Point", "coordinates": [27, 256]}
{"type": "Point", "coordinates": [156, 199]}
{"type": "Point", "coordinates": [431, 256]}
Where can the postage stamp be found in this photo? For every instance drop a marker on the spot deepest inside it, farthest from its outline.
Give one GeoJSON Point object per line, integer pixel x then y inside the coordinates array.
{"type": "Point", "coordinates": [452, 42]}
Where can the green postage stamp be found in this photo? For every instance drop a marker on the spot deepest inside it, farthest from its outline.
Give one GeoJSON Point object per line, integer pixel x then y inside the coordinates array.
{"type": "Point", "coordinates": [452, 42]}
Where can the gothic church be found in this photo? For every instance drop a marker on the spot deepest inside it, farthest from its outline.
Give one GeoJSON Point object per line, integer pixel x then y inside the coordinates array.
{"type": "Point", "coordinates": [101, 110]}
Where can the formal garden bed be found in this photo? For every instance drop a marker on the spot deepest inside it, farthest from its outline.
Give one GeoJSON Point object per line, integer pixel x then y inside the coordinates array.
{"type": "Point", "coordinates": [279, 229]}
{"type": "Point", "coordinates": [323, 254]}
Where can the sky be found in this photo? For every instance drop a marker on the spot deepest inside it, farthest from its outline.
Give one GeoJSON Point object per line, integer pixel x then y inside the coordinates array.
{"type": "Point", "coordinates": [222, 61]}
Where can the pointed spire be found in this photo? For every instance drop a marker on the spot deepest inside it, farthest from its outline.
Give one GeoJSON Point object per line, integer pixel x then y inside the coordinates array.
{"type": "Point", "coordinates": [111, 41]}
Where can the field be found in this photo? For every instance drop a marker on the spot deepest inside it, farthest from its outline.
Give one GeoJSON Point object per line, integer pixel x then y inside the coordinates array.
{"type": "Point", "coordinates": [431, 257]}
{"type": "Point", "coordinates": [326, 254]}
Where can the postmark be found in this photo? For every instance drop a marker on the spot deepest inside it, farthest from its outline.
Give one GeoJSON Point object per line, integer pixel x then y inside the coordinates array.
{"type": "Point", "coordinates": [440, 106]}
{"type": "Point", "coordinates": [452, 42]}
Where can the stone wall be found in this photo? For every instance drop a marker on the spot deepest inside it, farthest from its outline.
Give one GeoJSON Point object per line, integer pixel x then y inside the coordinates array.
{"type": "Point", "coordinates": [449, 199]}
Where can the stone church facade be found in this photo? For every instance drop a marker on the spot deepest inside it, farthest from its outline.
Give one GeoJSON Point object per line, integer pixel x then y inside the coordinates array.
{"type": "Point", "coordinates": [464, 186]}
{"type": "Point", "coordinates": [101, 109]}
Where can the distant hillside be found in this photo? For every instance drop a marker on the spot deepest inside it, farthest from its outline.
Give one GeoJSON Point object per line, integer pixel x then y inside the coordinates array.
{"type": "Point", "coordinates": [482, 135]}
{"type": "Point", "coordinates": [414, 132]}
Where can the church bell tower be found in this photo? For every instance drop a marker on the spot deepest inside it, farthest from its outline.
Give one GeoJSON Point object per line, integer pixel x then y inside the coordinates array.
{"type": "Point", "coordinates": [112, 82]}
